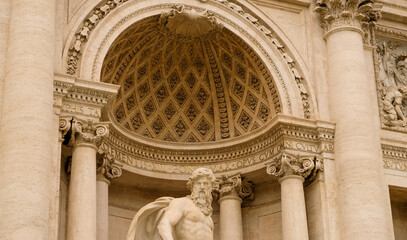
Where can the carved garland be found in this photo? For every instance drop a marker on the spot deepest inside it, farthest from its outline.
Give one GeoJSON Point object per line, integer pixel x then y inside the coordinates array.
{"type": "Point", "coordinates": [100, 12]}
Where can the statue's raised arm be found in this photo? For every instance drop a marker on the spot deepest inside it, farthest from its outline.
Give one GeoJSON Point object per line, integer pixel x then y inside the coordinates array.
{"type": "Point", "coordinates": [186, 218]}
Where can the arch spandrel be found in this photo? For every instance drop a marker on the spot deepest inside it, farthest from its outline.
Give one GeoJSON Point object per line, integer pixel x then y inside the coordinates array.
{"type": "Point", "coordinates": [288, 80]}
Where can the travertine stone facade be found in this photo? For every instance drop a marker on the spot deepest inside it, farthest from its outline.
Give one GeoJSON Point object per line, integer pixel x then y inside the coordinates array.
{"type": "Point", "coordinates": [107, 105]}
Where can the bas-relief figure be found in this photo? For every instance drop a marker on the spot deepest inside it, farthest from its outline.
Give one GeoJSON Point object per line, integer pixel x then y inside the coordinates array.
{"type": "Point", "coordinates": [393, 77]}
{"type": "Point", "coordinates": [186, 218]}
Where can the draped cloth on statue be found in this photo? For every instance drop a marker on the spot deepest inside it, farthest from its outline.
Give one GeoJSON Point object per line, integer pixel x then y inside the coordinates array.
{"type": "Point", "coordinates": [145, 222]}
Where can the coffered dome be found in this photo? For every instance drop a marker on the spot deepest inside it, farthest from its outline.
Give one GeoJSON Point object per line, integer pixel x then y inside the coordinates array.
{"type": "Point", "coordinates": [182, 83]}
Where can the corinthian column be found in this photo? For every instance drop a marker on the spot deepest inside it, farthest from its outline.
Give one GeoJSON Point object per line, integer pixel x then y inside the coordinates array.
{"type": "Point", "coordinates": [26, 136]}
{"type": "Point", "coordinates": [363, 197]}
{"type": "Point", "coordinates": [82, 187]}
{"type": "Point", "coordinates": [232, 192]}
{"type": "Point", "coordinates": [106, 171]}
{"type": "Point", "coordinates": [291, 171]}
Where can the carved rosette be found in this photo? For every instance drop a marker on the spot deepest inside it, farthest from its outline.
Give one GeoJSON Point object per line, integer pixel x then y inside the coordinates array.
{"type": "Point", "coordinates": [289, 165]}
{"type": "Point", "coordinates": [361, 14]}
{"type": "Point", "coordinates": [107, 167]}
{"type": "Point", "coordinates": [86, 131]}
{"type": "Point", "coordinates": [235, 186]}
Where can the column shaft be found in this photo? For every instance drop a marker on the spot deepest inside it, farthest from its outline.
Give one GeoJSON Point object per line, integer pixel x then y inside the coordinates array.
{"type": "Point", "coordinates": [231, 226]}
{"type": "Point", "coordinates": [82, 194]}
{"type": "Point", "coordinates": [25, 135]}
{"type": "Point", "coordinates": [294, 218]}
{"type": "Point", "coordinates": [102, 208]}
{"type": "Point", "coordinates": [363, 195]}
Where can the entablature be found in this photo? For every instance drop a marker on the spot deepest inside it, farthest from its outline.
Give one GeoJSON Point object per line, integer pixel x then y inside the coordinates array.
{"type": "Point", "coordinates": [81, 98]}
{"type": "Point", "coordinates": [244, 154]}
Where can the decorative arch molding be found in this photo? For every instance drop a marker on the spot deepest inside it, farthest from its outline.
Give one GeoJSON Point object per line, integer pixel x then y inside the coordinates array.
{"type": "Point", "coordinates": [85, 51]}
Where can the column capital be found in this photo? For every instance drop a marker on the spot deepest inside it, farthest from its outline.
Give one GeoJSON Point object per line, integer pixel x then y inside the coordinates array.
{"type": "Point", "coordinates": [235, 186]}
{"type": "Point", "coordinates": [107, 168]}
{"type": "Point", "coordinates": [89, 132]}
{"type": "Point", "coordinates": [357, 15]}
{"type": "Point", "coordinates": [65, 123]}
{"type": "Point", "coordinates": [294, 165]}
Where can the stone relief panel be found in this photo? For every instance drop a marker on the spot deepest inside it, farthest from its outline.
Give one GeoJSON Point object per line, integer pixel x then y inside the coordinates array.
{"type": "Point", "coordinates": [391, 74]}
{"type": "Point", "coordinates": [192, 85]}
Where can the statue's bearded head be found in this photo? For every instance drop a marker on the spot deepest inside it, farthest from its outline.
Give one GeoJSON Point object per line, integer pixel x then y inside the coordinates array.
{"type": "Point", "coordinates": [201, 184]}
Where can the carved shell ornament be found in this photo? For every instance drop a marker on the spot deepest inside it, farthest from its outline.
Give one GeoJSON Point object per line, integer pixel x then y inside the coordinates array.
{"type": "Point", "coordinates": [188, 22]}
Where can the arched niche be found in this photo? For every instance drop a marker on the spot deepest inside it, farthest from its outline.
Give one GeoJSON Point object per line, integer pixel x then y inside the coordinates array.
{"type": "Point", "coordinates": [240, 21]}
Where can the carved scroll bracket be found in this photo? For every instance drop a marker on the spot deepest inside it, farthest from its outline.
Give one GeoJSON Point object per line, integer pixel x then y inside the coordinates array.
{"type": "Point", "coordinates": [236, 186]}
{"type": "Point", "coordinates": [287, 164]}
{"type": "Point", "coordinates": [64, 126]}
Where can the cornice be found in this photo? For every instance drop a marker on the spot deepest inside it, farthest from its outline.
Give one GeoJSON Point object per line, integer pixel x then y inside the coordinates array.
{"type": "Point", "coordinates": [391, 32]}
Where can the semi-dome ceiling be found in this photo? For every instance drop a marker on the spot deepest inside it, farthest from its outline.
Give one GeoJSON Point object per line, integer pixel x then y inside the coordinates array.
{"type": "Point", "coordinates": [181, 83]}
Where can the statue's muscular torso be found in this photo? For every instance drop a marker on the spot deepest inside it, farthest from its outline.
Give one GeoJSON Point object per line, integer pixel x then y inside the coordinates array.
{"type": "Point", "coordinates": [183, 220]}
{"type": "Point", "coordinates": [194, 225]}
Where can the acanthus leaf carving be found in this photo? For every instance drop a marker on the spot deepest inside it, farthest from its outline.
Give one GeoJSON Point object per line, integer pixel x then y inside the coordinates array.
{"type": "Point", "coordinates": [108, 168]}
{"type": "Point", "coordinates": [235, 185]}
{"type": "Point", "coordinates": [362, 14]}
